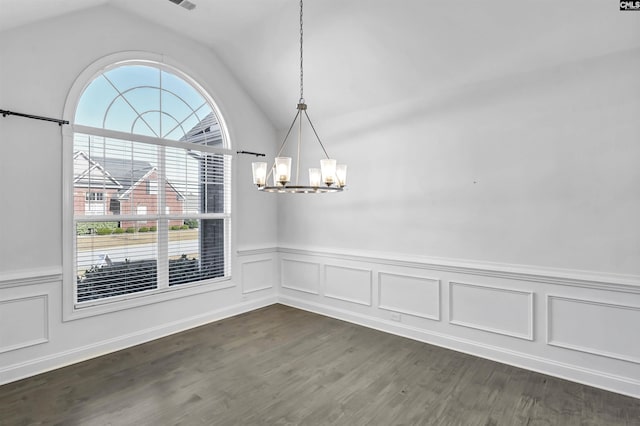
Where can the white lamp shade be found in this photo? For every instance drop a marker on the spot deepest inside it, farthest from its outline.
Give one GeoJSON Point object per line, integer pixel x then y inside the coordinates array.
{"type": "Point", "coordinates": [315, 177]}
{"type": "Point", "coordinates": [328, 167]}
{"type": "Point", "coordinates": [259, 173]}
{"type": "Point", "coordinates": [283, 170]}
{"type": "Point", "coordinates": [341, 174]}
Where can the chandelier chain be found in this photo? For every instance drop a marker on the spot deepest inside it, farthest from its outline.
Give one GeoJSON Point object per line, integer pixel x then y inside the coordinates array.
{"type": "Point", "coordinates": [301, 68]}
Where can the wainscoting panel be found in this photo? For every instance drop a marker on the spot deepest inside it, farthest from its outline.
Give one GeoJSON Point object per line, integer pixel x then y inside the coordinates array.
{"type": "Point", "coordinates": [589, 321]}
{"type": "Point", "coordinates": [24, 322]}
{"type": "Point", "coordinates": [257, 275]}
{"type": "Point", "coordinates": [31, 314]}
{"type": "Point", "coordinates": [594, 327]}
{"type": "Point", "coordinates": [409, 295]}
{"type": "Point", "coordinates": [492, 309]}
{"type": "Point", "coordinates": [300, 276]}
{"type": "Point", "coordinates": [348, 284]}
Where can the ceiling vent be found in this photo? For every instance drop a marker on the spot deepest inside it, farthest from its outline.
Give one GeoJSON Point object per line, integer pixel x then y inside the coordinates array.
{"type": "Point", "coordinates": [184, 3]}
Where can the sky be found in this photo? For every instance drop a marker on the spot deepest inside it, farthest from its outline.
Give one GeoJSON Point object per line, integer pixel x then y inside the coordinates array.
{"type": "Point", "coordinates": [142, 100]}
{"type": "Point", "coordinates": [147, 101]}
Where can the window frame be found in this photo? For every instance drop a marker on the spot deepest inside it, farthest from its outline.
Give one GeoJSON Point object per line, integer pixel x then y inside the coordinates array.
{"type": "Point", "coordinates": [71, 310]}
{"type": "Point", "coordinates": [94, 196]}
{"type": "Point", "coordinates": [152, 187]}
{"type": "Point", "coordinates": [94, 203]}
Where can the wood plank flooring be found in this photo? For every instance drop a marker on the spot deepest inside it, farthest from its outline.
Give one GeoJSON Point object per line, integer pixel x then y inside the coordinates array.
{"type": "Point", "coordinates": [283, 366]}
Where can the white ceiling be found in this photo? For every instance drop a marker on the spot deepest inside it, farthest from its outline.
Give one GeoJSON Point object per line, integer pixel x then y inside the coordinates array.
{"type": "Point", "coordinates": [362, 54]}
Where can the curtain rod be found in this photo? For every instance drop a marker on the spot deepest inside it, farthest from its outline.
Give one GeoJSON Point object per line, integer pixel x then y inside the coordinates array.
{"type": "Point", "coordinates": [4, 113]}
{"type": "Point", "coordinates": [257, 154]}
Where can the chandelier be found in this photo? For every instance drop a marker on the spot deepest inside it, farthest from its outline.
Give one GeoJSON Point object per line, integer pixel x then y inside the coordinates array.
{"type": "Point", "coordinates": [330, 177]}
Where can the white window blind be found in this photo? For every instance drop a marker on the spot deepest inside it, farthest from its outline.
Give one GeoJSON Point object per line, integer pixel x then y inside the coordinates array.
{"type": "Point", "coordinates": [151, 185]}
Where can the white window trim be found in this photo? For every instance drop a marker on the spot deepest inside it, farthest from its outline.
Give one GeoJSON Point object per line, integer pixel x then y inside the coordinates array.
{"type": "Point", "coordinates": [88, 196]}
{"type": "Point", "coordinates": [70, 310]}
{"type": "Point", "coordinates": [152, 187]}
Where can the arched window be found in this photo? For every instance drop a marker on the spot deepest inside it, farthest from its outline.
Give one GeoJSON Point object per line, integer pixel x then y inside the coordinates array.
{"type": "Point", "coordinates": [151, 185]}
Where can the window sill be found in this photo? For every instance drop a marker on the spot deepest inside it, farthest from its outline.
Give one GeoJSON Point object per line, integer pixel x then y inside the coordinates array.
{"type": "Point", "coordinates": [89, 309]}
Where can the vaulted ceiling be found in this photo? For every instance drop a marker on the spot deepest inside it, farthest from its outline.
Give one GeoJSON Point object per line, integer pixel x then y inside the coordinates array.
{"type": "Point", "coordinates": [367, 54]}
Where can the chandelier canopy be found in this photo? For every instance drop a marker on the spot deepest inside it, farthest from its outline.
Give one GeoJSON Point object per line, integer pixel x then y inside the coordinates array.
{"type": "Point", "coordinates": [330, 177]}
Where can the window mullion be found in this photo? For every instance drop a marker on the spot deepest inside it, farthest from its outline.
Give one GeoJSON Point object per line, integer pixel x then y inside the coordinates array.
{"type": "Point", "coordinates": [115, 134]}
{"type": "Point", "coordinates": [163, 222]}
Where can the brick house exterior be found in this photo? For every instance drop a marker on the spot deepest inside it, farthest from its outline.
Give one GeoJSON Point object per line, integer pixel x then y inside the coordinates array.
{"type": "Point", "coordinates": [109, 186]}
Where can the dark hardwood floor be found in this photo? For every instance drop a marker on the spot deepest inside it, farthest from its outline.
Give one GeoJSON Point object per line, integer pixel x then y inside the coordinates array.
{"type": "Point", "coordinates": [283, 366]}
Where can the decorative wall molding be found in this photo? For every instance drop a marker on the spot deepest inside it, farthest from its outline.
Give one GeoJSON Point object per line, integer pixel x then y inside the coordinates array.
{"type": "Point", "coordinates": [30, 277]}
{"type": "Point", "coordinates": [31, 367]}
{"type": "Point", "coordinates": [345, 287]}
{"type": "Point", "coordinates": [302, 277]}
{"type": "Point", "coordinates": [310, 276]}
{"type": "Point", "coordinates": [628, 326]}
{"type": "Point", "coordinates": [414, 295]}
{"type": "Point", "coordinates": [566, 277]}
{"type": "Point", "coordinates": [501, 303]}
{"type": "Point", "coordinates": [34, 325]}
{"type": "Point", "coordinates": [626, 283]}
{"type": "Point", "coordinates": [263, 268]}
{"type": "Point", "coordinates": [493, 306]}
{"type": "Point", "coordinates": [257, 251]}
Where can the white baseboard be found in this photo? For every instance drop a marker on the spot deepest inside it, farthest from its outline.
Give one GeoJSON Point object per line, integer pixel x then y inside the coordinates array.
{"type": "Point", "coordinates": [623, 385]}
{"type": "Point", "coordinates": [50, 362]}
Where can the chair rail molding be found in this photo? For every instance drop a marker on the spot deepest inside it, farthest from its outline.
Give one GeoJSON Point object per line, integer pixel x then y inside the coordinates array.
{"type": "Point", "coordinates": [254, 251]}
{"type": "Point", "coordinates": [30, 277]}
{"type": "Point", "coordinates": [567, 277]}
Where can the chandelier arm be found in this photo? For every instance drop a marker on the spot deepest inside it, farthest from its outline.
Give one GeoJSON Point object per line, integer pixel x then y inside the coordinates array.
{"type": "Point", "coordinates": [316, 133]}
{"type": "Point", "coordinates": [284, 142]}
{"type": "Point", "coordinates": [266, 179]}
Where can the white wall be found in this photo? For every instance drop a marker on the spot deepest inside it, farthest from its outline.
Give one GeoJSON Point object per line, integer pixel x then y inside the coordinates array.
{"type": "Point", "coordinates": [501, 220]}
{"type": "Point", "coordinates": [539, 168]}
{"type": "Point", "coordinates": [39, 64]}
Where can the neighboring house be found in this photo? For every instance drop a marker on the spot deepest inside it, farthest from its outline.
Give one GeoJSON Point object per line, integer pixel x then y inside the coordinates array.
{"type": "Point", "coordinates": [206, 132]}
{"type": "Point", "coordinates": [115, 186]}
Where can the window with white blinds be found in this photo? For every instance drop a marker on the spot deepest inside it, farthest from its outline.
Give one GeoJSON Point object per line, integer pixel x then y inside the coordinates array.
{"type": "Point", "coordinates": [151, 186]}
